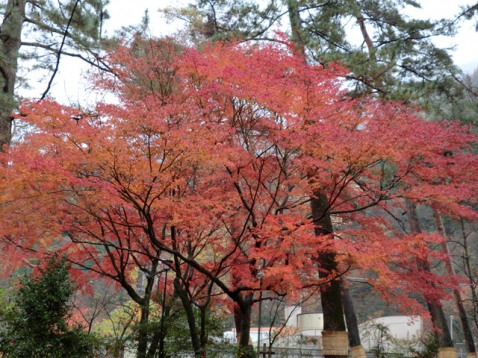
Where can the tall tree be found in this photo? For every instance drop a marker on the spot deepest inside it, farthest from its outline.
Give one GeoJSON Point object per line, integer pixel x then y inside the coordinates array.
{"type": "Point", "coordinates": [44, 31]}
{"type": "Point", "coordinates": [396, 58]}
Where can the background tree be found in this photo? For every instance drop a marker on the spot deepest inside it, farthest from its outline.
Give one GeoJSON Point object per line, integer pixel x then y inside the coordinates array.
{"type": "Point", "coordinates": [395, 58]}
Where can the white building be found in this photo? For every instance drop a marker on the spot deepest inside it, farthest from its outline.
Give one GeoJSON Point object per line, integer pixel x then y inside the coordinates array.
{"type": "Point", "coordinates": [231, 337]}
{"type": "Point", "coordinates": [385, 333]}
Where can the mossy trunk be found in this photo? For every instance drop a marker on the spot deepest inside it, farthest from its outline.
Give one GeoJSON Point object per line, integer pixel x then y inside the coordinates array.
{"type": "Point", "coordinates": [10, 37]}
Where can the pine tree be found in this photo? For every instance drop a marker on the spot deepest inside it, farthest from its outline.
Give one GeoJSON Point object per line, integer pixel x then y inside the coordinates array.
{"type": "Point", "coordinates": [42, 31]}
{"type": "Point", "coordinates": [37, 326]}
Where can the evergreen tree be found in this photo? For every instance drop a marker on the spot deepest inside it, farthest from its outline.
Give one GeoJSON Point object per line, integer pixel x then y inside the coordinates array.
{"type": "Point", "coordinates": [43, 30]}
{"type": "Point", "coordinates": [470, 12]}
{"type": "Point", "coordinates": [36, 326]}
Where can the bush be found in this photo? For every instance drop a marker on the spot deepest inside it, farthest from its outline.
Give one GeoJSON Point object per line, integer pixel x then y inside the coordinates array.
{"type": "Point", "coordinates": [36, 324]}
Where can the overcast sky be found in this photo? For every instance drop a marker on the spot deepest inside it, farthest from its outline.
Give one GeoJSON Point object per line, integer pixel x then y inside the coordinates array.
{"type": "Point", "coordinates": [68, 85]}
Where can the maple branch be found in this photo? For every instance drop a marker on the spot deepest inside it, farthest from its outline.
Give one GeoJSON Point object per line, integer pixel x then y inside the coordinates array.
{"type": "Point", "coordinates": [243, 199]}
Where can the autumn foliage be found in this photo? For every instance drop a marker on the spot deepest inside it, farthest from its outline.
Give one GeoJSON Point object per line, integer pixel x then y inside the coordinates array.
{"type": "Point", "coordinates": [211, 156]}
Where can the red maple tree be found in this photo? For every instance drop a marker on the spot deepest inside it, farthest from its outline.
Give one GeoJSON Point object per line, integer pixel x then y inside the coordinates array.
{"type": "Point", "coordinates": [210, 157]}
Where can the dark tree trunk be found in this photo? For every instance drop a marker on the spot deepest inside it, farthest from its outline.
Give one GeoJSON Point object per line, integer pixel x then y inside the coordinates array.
{"type": "Point", "coordinates": [350, 317]}
{"type": "Point", "coordinates": [356, 349]}
{"type": "Point", "coordinates": [436, 311]}
{"type": "Point", "coordinates": [469, 271]}
{"type": "Point", "coordinates": [143, 331]}
{"type": "Point", "coordinates": [242, 319]}
{"type": "Point", "coordinates": [10, 37]}
{"type": "Point", "coordinates": [456, 292]}
{"type": "Point", "coordinates": [188, 309]}
{"type": "Point", "coordinates": [331, 294]}
{"type": "Point", "coordinates": [203, 333]}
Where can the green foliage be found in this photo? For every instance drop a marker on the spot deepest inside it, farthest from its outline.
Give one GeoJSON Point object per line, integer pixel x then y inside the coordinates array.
{"type": "Point", "coordinates": [36, 325]}
{"type": "Point", "coordinates": [219, 19]}
{"type": "Point", "coordinates": [177, 333]}
{"type": "Point", "coordinates": [430, 347]}
{"type": "Point", "coordinates": [379, 335]}
{"type": "Point", "coordinates": [456, 103]}
{"type": "Point", "coordinates": [470, 12]}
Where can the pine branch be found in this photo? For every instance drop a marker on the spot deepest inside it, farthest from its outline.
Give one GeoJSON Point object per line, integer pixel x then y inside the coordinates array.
{"type": "Point", "coordinates": [60, 50]}
{"type": "Point", "coordinates": [98, 64]}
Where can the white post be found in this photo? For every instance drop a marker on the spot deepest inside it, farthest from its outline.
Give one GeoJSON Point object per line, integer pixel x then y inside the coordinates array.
{"type": "Point", "coordinates": [451, 327]}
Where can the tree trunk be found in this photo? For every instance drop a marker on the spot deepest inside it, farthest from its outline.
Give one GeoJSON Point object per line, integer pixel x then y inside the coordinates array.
{"type": "Point", "coordinates": [330, 294]}
{"type": "Point", "coordinates": [355, 344]}
{"type": "Point", "coordinates": [440, 324]}
{"type": "Point", "coordinates": [143, 331]}
{"type": "Point", "coordinates": [10, 37]}
{"type": "Point", "coordinates": [296, 26]}
{"type": "Point", "coordinates": [456, 292]}
{"type": "Point", "coordinates": [188, 309]}
{"type": "Point", "coordinates": [242, 319]}
{"type": "Point", "coordinates": [203, 333]}
{"type": "Point", "coordinates": [334, 333]}
{"type": "Point", "coordinates": [470, 273]}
